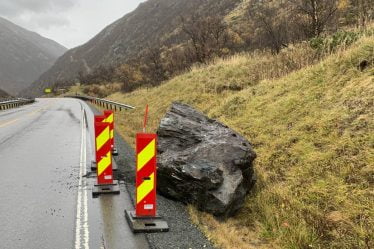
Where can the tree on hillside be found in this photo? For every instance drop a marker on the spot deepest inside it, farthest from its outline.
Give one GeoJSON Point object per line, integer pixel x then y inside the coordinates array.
{"type": "Point", "coordinates": [154, 65]}
{"type": "Point", "coordinates": [177, 60]}
{"type": "Point", "coordinates": [98, 75]}
{"type": "Point", "coordinates": [208, 36]}
{"type": "Point", "coordinates": [361, 11]}
{"type": "Point", "coordinates": [315, 15]}
{"type": "Point", "coordinates": [130, 75]}
{"type": "Point", "coordinates": [271, 24]}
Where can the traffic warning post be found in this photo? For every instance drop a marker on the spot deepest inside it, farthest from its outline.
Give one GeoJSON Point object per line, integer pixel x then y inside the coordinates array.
{"type": "Point", "coordinates": [105, 182]}
{"type": "Point", "coordinates": [101, 118]}
{"type": "Point", "coordinates": [109, 118]}
{"type": "Point", "coordinates": [97, 118]}
{"type": "Point", "coordinates": [145, 218]}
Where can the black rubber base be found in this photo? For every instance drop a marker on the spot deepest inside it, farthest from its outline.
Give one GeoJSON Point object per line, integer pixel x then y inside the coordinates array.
{"type": "Point", "coordinates": [145, 224]}
{"type": "Point", "coordinates": [93, 166]}
{"type": "Point", "coordinates": [105, 189]}
{"type": "Point", "coordinates": [114, 151]}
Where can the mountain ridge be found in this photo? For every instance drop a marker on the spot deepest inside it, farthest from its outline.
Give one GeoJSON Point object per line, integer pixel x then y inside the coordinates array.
{"type": "Point", "coordinates": [24, 56]}
{"type": "Point", "coordinates": [152, 22]}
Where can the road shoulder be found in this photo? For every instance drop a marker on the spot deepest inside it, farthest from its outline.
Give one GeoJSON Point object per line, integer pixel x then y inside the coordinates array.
{"type": "Point", "coordinates": [182, 234]}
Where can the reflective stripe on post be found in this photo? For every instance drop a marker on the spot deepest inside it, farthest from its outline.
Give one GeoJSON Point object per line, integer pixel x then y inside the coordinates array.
{"type": "Point", "coordinates": [109, 118]}
{"type": "Point", "coordinates": [146, 175]}
{"type": "Point", "coordinates": [103, 152]}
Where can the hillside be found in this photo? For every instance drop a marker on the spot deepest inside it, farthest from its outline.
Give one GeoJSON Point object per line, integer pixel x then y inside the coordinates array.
{"type": "Point", "coordinates": [154, 21]}
{"type": "Point", "coordinates": [24, 56]}
{"type": "Point", "coordinates": [312, 131]}
{"type": "Point", "coordinates": [3, 94]}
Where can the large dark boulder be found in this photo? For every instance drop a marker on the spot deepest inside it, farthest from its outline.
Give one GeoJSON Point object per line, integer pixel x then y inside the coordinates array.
{"type": "Point", "coordinates": [203, 162]}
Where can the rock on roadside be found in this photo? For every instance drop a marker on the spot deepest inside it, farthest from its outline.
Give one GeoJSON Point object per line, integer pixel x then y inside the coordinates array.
{"type": "Point", "coordinates": [203, 162]}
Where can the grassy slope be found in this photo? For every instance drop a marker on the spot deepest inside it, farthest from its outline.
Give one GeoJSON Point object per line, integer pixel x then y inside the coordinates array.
{"type": "Point", "coordinates": [313, 133]}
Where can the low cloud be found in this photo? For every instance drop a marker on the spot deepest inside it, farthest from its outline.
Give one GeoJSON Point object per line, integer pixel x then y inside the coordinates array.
{"type": "Point", "coordinates": [69, 22]}
{"type": "Point", "coordinates": [11, 8]}
{"type": "Point", "coordinates": [48, 21]}
{"type": "Point", "coordinates": [37, 14]}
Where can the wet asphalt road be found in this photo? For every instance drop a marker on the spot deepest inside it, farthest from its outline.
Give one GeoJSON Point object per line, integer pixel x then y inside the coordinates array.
{"type": "Point", "coordinates": [45, 200]}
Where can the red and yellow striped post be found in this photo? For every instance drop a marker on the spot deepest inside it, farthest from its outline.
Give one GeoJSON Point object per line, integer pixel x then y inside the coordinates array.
{"type": "Point", "coordinates": [105, 182]}
{"type": "Point", "coordinates": [146, 174]}
{"type": "Point", "coordinates": [145, 218]}
{"type": "Point", "coordinates": [109, 118]}
{"type": "Point", "coordinates": [97, 119]}
{"type": "Point", "coordinates": [103, 153]}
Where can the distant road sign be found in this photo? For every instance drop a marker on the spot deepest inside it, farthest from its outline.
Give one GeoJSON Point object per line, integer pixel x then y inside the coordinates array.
{"type": "Point", "coordinates": [47, 90]}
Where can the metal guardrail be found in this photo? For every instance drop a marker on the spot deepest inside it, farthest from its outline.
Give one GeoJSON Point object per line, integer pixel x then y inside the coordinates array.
{"type": "Point", "coordinates": [13, 103]}
{"type": "Point", "coordinates": [108, 104]}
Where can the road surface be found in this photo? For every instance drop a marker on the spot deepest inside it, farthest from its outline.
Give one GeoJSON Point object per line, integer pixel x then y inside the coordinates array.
{"type": "Point", "coordinates": [45, 196]}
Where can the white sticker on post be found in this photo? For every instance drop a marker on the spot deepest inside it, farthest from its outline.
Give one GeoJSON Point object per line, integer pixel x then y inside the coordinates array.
{"type": "Point", "coordinates": [148, 206]}
{"type": "Point", "coordinates": [109, 177]}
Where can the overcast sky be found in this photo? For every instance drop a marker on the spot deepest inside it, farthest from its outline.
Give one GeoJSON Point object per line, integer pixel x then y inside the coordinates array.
{"type": "Point", "coordinates": [69, 22]}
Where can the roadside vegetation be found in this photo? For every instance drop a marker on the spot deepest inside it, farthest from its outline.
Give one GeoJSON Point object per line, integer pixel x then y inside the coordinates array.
{"type": "Point", "coordinates": [309, 113]}
{"type": "Point", "coordinates": [296, 78]}
{"type": "Point", "coordinates": [220, 29]}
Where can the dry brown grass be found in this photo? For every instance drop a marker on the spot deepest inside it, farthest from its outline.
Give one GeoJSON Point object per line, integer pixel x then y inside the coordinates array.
{"type": "Point", "coordinates": [226, 233]}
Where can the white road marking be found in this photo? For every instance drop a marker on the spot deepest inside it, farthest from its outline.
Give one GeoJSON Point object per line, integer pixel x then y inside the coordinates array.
{"type": "Point", "coordinates": [81, 226]}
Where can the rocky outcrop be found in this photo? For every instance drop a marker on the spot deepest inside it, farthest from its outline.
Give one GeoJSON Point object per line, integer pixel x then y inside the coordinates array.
{"type": "Point", "coordinates": [203, 162]}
